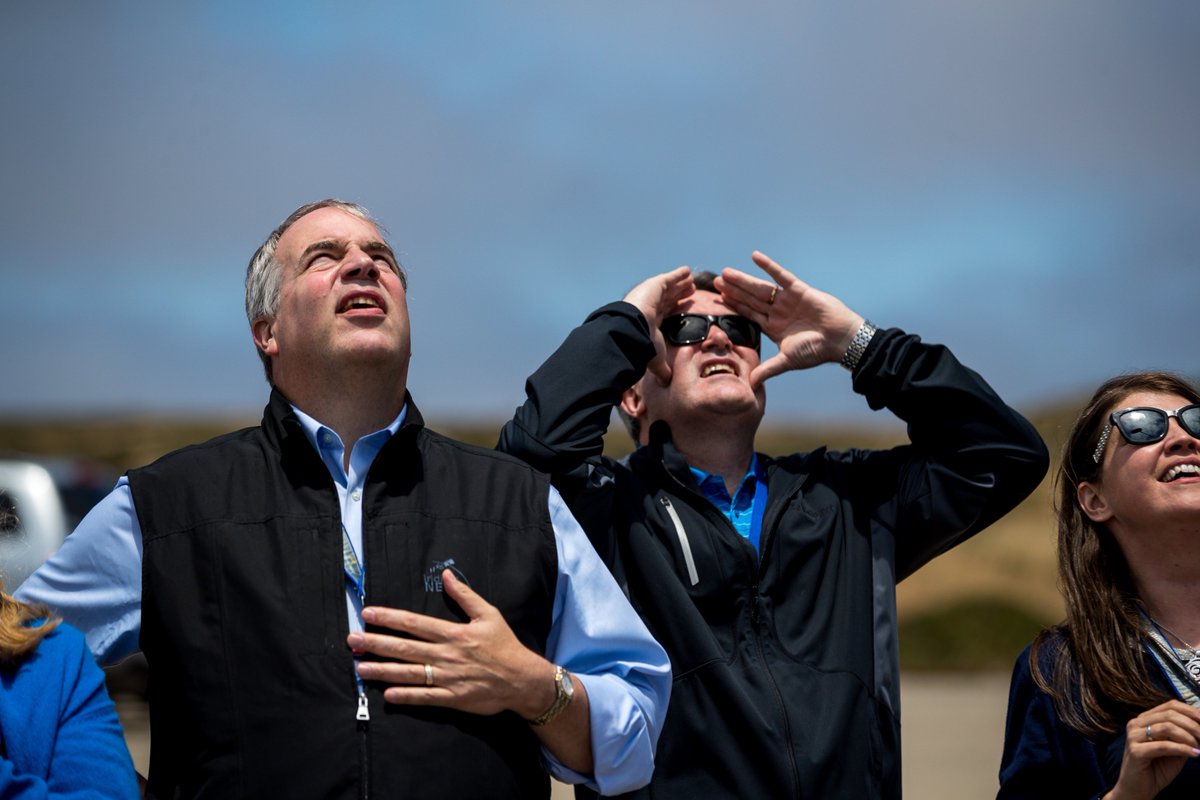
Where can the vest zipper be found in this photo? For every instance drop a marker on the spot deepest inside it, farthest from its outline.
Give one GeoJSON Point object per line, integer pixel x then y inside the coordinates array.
{"type": "Point", "coordinates": [693, 576]}
{"type": "Point", "coordinates": [362, 711]}
{"type": "Point", "coordinates": [363, 715]}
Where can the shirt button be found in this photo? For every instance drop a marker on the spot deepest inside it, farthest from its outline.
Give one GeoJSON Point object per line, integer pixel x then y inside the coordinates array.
{"type": "Point", "coordinates": [357, 495]}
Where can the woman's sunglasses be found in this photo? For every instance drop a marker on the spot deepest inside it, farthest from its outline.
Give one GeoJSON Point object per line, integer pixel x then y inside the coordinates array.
{"type": "Point", "coordinates": [692, 328]}
{"type": "Point", "coordinates": [1145, 425]}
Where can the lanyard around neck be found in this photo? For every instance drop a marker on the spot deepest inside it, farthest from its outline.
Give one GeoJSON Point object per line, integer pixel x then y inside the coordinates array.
{"type": "Point", "coordinates": [352, 567]}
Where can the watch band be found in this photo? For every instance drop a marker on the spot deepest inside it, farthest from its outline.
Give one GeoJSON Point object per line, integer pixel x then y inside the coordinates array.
{"type": "Point", "coordinates": [858, 345]}
{"type": "Point", "coordinates": [564, 690]}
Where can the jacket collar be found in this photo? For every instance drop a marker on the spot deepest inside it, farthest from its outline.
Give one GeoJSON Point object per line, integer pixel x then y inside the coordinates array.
{"type": "Point", "coordinates": [660, 454]}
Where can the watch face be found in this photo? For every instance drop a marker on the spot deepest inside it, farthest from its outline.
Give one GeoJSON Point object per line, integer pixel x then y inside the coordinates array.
{"type": "Point", "coordinates": [568, 686]}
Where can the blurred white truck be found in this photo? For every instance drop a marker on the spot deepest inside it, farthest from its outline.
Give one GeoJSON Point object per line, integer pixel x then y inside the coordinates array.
{"type": "Point", "coordinates": [45, 499]}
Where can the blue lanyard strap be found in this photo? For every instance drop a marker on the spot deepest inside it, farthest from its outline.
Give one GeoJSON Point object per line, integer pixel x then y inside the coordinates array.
{"type": "Point", "coordinates": [1183, 677]}
{"type": "Point", "coordinates": [353, 570]}
{"type": "Point", "coordinates": [352, 567]}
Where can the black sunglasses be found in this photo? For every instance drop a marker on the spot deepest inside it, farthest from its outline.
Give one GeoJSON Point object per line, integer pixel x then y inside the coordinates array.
{"type": "Point", "coordinates": [692, 328]}
{"type": "Point", "coordinates": [1146, 425]}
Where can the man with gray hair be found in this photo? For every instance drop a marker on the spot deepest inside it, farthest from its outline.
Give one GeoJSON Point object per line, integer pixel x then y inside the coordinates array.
{"type": "Point", "coordinates": [341, 602]}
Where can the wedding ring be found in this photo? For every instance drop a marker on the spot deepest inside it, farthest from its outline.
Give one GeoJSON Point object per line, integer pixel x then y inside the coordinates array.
{"type": "Point", "coordinates": [1149, 735]}
{"type": "Point", "coordinates": [771, 299]}
{"type": "Point", "coordinates": [429, 675]}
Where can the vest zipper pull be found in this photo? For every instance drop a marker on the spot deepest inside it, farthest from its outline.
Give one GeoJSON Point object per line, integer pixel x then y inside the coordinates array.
{"type": "Point", "coordinates": [364, 712]}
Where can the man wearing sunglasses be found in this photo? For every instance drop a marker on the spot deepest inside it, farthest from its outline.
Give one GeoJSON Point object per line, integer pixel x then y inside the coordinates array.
{"type": "Point", "coordinates": [769, 580]}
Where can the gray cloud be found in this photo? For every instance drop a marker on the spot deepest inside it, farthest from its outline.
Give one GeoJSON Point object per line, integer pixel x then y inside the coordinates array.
{"type": "Point", "coordinates": [1018, 180]}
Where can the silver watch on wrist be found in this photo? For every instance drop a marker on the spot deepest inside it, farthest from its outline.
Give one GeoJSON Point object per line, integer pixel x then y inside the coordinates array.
{"type": "Point", "coordinates": [858, 345]}
{"type": "Point", "coordinates": [564, 690]}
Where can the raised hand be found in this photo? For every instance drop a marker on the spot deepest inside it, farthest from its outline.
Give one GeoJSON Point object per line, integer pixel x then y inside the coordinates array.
{"type": "Point", "coordinates": [810, 327]}
{"type": "Point", "coordinates": [655, 297]}
{"type": "Point", "coordinates": [1158, 743]}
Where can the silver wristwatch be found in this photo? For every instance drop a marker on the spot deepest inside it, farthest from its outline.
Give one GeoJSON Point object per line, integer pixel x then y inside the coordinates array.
{"type": "Point", "coordinates": [564, 690]}
{"type": "Point", "coordinates": [858, 345]}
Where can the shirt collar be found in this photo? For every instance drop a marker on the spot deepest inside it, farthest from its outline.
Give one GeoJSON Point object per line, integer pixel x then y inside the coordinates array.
{"type": "Point", "coordinates": [709, 483]}
{"type": "Point", "coordinates": [331, 449]}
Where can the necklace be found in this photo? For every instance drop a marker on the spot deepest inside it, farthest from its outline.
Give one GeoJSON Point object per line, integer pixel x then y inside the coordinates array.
{"type": "Point", "coordinates": [1192, 665]}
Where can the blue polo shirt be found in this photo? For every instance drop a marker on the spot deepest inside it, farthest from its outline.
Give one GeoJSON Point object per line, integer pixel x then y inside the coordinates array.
{"type": "Point", "coordinates": [745, 509]}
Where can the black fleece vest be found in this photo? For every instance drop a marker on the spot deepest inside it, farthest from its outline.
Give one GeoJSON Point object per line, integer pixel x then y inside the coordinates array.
{"type": "Point", "coordinates": [252, 690]}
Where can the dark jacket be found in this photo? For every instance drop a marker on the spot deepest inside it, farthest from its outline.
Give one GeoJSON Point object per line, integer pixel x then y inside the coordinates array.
{"type": "Point", "coordinates": [1046, 759]}
{"type": "Point", "coordinates": [244, 621]}
{"type": "Point", "coordinates": [786, 666]}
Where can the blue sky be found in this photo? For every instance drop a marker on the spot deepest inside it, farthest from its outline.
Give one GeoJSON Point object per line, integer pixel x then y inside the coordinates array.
{"type": "Point", "coordinates": [1019, 180]}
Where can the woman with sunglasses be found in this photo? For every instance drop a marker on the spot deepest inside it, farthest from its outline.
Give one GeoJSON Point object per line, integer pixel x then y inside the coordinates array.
{"type": "Point", "coordinates": [1106, 704]}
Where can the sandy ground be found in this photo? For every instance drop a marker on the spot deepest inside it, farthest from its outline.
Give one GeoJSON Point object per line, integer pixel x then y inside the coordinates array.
{"type": "Point", "coordinates": [953, 734]}
{"type": "Point", "coordinates": [953, 731]}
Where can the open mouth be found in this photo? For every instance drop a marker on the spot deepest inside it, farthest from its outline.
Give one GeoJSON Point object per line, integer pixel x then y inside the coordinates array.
{"type": "Point", "coordinates": [1180, 471]}
{"type": "Point", "coordinates": [717, 369]}
{"type": "Point", "coordinates": [359, 302]}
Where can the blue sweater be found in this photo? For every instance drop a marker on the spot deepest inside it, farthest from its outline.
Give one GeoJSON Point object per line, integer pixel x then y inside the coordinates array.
{"type": "Point", "coordinates": [59, 734]}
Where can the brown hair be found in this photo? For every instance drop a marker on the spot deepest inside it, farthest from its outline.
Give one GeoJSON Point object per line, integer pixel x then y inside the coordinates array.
{"type": "Point", "coordinates": [1094, 667]}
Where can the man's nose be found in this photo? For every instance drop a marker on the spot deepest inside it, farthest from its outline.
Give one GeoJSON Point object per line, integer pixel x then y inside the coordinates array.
{"type": "Point", "coordinates": [717, 339]}
{"type": "Point", "coordinates": [359, 264]}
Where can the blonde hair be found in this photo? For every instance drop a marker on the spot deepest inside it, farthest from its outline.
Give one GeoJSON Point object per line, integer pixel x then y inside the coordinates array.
{"type": "Point", "coordinates": [17, 637]}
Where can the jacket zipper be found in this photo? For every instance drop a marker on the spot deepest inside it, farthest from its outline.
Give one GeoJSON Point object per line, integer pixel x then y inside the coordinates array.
{"type": "Point", "coordinates": [693, 576]}
{"type": "Point", "coordinates": [754, 613]}
{"type": "Point", "coordinates": [764, 540]}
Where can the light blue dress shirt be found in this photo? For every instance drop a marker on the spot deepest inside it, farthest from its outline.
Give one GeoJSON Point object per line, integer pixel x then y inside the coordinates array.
{"type": "Point", "coordinates": [95, 582]}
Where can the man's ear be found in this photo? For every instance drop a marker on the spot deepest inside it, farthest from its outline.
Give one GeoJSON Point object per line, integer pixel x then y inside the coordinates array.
{"type": "Point", "coordinates": [1092, 502]}
{"type": "Point", "coordinates": [632, 402]}
{"type": "Point", "coordinates": [263, 331]}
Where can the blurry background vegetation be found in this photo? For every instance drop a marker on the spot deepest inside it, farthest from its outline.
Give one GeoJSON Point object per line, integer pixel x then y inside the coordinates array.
{"type": "Point", "coordinates": [973, 608]}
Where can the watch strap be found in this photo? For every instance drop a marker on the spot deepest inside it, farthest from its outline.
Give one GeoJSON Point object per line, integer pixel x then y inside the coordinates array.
{"type": "Point", "coordinates": [858, 345]}
{"type": "Point", "coordinates": [563, 692]}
